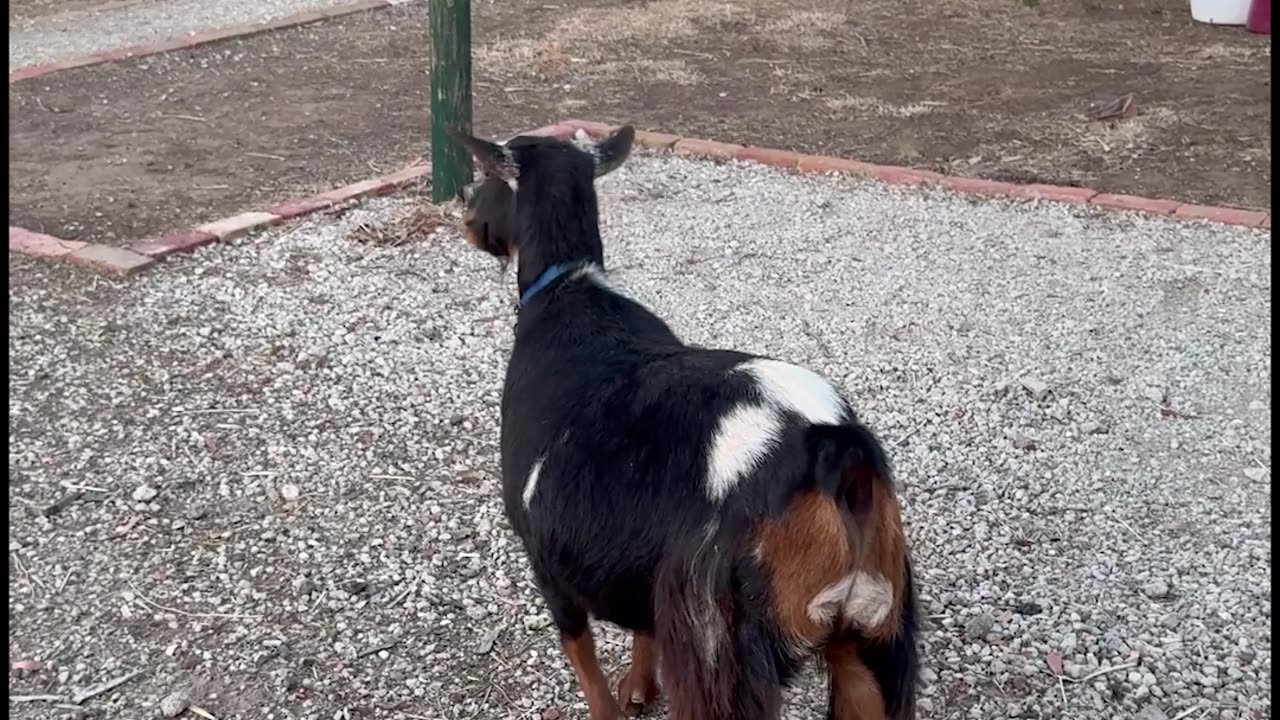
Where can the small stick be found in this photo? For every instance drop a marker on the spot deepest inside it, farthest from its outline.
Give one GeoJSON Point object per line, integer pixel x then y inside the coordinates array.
{"type": "Point", "coordinates": [84, 488]}
{"type": "Point", "coordinates": [268, 156]}
{"type": "Point", "coordinates": [35, 698]}
{"type": "Point", "coordinates": [390, 477]}
{"type": "Point", "coordinates": [94, 691]}
{"type": "Point", "coordinates": [143, 597]}
{"type": "Point", "coordinates": [377, 649]}
{"type": "Point", "coordinates": [1105, 671]}
{"type": "Point", "coordinates": [211, 411]}
{"type": "Point", "coordinates": [197, 710]}
{"type": "Point", "coordinates": [1126, 526]}
{"type": "Point", "coordinates": [186, 117]}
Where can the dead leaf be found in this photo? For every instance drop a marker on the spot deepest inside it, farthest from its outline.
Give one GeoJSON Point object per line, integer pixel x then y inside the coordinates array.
{"type": "Point", "coordinates": [1055, 663]}
{"type": "Point", "coordinates": [1118, 109]}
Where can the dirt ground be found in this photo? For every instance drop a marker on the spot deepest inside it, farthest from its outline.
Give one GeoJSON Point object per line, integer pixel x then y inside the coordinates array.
{"type": "Point", "coordinates": [989, 88]}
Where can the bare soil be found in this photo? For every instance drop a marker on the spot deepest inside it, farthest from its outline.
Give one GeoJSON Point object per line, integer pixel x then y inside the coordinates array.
{"type": "Point", "coordinates": [999, 89]}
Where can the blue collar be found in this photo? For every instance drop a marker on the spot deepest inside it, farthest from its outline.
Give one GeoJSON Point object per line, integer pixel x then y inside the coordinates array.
{"type": "Point", "coordinates": [545, 279]}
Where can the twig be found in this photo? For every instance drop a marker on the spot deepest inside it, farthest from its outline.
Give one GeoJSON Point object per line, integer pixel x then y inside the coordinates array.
{"type": "Point", "coordinates": [35, 698]}
{"type": "Point", "coordinates": [1104, 671]}
{"type": "Point", "coordinates": [391, 477]}
{"type": "Point", "coordinates": [693, 54]}
{"type": "Point", "coordinates": [910, 433]}
{"type": "Point", "coordinates": [1187, 713]}
{"type": "Point", "coordinates": [400, 598]}
{"type": "Point", "coordinates": [1125, 525]}
{"type": "Point", "coordinates": [211, 411]}
{"type": "Point", "coordinates": [62, 503]}
{"type": "Point", "coordinates": [193, 118]}
{"type": "Point", "coordinates": [377, 648]}
{"type": "Point", "coordinates": [84, 488]}
{"type": "Point", "coordinates": [268, 156]}
{"type": "Point", "coordinates": [25, 571]}
{"type": "Point", "coordinates": [50, 109]}
{"type": "Point", "coordinates": [94, 691]}
{"type": "Point", "coordinates": [143, 597]}
{"type": "Point", "coordinates": [197, 710]}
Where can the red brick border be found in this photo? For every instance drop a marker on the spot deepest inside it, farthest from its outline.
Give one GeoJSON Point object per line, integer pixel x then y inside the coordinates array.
{"type": "Point", "coordinates": [139, 255]}
{"type": "Point", "coordinates": [195, 39]}
{"type": "Point", "coordinates": [895, 175]}
{"type": "Point", "coordinates": [142, 254]}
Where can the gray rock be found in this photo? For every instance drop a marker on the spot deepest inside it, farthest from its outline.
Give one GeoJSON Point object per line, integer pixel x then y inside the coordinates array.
{"type": "Point", "coordinates": [145, 493]}
{"type": "Point", "coordinates": [1156, 589]}
{"type": "Point", "coordinates": [1039, 389]}
{"type": "Point", "coordinates": [174, 704]}
{"type": "Point", "coordinates": [979, 625]}
{"type": "Point", "coordinates": [1151, 711]}
{"type": "Point", "coordinates": [1092, 427]}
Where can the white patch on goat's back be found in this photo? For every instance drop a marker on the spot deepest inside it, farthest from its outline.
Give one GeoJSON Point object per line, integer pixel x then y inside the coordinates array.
{"type": "Point", "coordinates": [531, 482]}
{"type": "Point", "coordinates": [743, 438]}
{"type": "Point", "coordinates": [797, 389]}
{"type": "Point", "coordinates": [858, 599]}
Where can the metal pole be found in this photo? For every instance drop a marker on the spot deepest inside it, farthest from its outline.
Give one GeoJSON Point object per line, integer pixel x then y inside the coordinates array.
{"type": "Point", "coordinates": [450, 95]}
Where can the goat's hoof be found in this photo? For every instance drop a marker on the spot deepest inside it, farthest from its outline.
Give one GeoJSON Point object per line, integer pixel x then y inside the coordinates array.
{"type": "Point", "coordinates": [636, 694]}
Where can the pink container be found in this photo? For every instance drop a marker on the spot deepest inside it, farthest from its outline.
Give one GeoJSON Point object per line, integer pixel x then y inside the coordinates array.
{"type": "Point", "coordinates": [1259, 17]}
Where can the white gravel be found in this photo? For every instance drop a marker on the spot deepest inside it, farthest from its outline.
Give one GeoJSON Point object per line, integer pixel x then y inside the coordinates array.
{"type": "Point", "coordinates": [299, 432]}
{"type": "Point", "coordinates": [78, 33]}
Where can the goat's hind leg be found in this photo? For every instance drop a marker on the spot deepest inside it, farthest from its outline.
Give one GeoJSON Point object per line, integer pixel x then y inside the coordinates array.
{"type": "Point", "coordinates": [580, 647]}
{"type": "Point", "coordinates": [639, 687]}
{"type": "Point", "coordinates": [855, 694]}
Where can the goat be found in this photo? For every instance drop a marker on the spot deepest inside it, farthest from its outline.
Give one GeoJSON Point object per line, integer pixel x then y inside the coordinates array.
{"type": "Point", "coordinates": [728, 509]}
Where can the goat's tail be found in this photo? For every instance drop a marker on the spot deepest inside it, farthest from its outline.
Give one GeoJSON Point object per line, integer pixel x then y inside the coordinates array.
{"type": "Point", "coordinates": [849, 464]}
{"type": "Point", "coordinates": [717, 645]}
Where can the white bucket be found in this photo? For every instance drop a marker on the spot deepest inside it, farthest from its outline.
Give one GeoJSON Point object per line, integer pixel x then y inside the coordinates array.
{"type": "Point", "coordinates": [1220, 12]}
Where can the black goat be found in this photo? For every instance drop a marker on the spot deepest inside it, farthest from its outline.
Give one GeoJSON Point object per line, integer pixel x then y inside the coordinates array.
{"type": "Point", "coordinates": [728, 509]}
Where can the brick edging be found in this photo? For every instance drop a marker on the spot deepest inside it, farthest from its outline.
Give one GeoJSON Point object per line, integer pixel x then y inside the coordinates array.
{"type": "Point", "coordinates": [895, 175]}
{"type": "Point", "coordinates": [125, 261]}
{"type": "Point", "coordinates": [195, 39]}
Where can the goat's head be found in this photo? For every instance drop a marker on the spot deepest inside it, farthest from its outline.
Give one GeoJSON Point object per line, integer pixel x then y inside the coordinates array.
{"type": "Point", "coordinates": [553, 175]}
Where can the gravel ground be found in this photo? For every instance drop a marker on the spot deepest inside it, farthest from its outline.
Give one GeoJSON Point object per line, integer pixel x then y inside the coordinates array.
{"type": "Point", "coordinates": [82, 32]}
{"type": "Point", "coordinates": [286, 452]}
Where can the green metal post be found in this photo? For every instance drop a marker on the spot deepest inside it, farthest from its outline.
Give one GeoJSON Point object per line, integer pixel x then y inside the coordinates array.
{"type": "Point", "coordinates": [450, 95]}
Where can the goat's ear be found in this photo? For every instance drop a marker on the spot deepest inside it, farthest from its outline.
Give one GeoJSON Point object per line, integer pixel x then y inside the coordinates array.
{"type": "Point", "coordinates": [496, 160]}
{"type": "Point", "coordinates": [612, 151]}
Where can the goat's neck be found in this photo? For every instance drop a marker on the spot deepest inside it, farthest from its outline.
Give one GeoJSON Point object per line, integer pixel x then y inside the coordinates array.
{"type": "Point", "coordinates": [554, 238]}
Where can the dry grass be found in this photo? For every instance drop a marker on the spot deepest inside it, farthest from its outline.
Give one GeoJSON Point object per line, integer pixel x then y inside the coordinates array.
{"type": "Point", "coordinates": [805, 21]}
{"type": "Point", "coordinates": [412, 223]}
{"type": "Point", "coordinates": [587, 42]}
{"type": "Point", "coordinates": [530, 56]}
{"type": "Point", "coordinates": [596, 28]}
{"type": "Point", "coordinates": [675, 72]}
{"type": "Point", "coordinates": [841, 103]}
